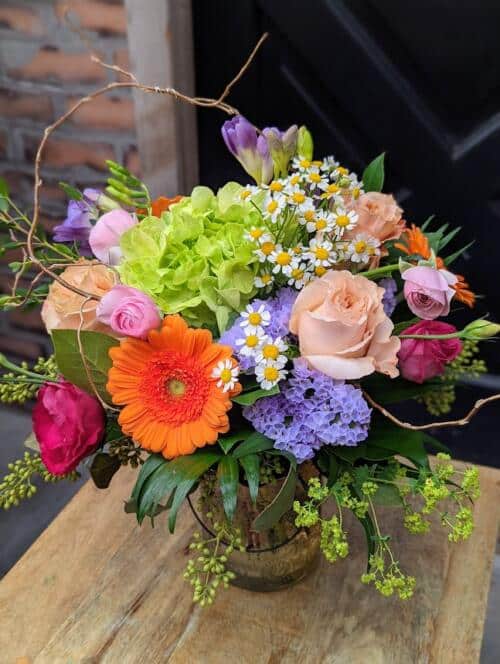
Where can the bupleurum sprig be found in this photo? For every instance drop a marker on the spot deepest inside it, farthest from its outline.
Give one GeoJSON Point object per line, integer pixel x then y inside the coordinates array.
{"type": "Point", "coordinates": [18, 485]}
{"type": "Point", "coordinates": [20, 384]}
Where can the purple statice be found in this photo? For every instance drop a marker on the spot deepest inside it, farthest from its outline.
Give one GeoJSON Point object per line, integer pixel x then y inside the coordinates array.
{"type": "Point", "coordinates": [389, 297]}
{"type": "Point", "coordinates": [77, 225]}
{"type": "Point", "coordinates": [312, 410]}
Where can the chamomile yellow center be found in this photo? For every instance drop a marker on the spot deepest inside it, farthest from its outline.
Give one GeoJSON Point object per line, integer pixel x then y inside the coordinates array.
{"type": "Point", "coordinates": [321, 253]}
{"type": "Point", "coordinates": [270, 351]}
{"type": "Point", "coordinates": [342, 170]}
{"type": "Point", "coordinates": [309, 215]}
{"type": "Point", "coordinates": [305, 163]}
{"type": "Point", "coordinates": [245, 194]}
{"type": "Point", "coordinates": [276, 186]}
{"type": "Point", "coordinates": [265, 278]}
{"type": "Point", "coordinates": [360, 246]}
{"type": "Point", "coordinates": [332, 189]}
{"type": "Point", "coordinates": [356, 192]}
{"type": "Point", "coordinates": [298, 197]}
{"type": "Point", "coordinates": [251, 341]}
{"type": "Point", "coordinates": [319, 270]}
{"type": "Point", "coordinates": [271, 373]}
{"type": "Point", "coordinates": [272, 206]}
{"type": "Point", "coordinates": [342, 220]}
{"type": "Point", "coordinates": [267, 248]}
{"type": "Point", "coordinates": [321, 224]}
{"type": "Point", "coordinates": [283, 258]}
{"type": "Point", "coordinates": [314, 177]}
{"type": "Point", "coordinates": [297, 273]}
{"type": "Point", "coordinates": [256, 233]}
{"type": "Point", "coordinates": [295, 179]}
{"type": "Point", "coordinates": [226, 375]}
{"type": "Point", "coordinates": [254, 318]}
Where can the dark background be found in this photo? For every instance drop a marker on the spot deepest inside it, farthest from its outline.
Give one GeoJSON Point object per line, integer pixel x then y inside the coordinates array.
{"type": "Point", "coordinates": [417, 80]}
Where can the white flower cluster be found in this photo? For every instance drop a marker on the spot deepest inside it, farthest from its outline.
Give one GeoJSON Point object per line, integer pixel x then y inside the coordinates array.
{"type": "Point", "coordinates": [305, 218]}
{"type": "Point", "coordinates": [268, 353]}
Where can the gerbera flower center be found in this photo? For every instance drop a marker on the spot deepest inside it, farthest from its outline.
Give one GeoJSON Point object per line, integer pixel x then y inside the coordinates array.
{"type": "Point", "coordinates": [176, 387]}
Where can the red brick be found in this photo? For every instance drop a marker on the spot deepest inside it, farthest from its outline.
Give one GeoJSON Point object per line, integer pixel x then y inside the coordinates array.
{"type": "Point", "coordinates": [105, 112]}
{"type": "Point", "coordinates": [21, 19]}
{"type": "Point", "coordinates": [15, 181]}
{"type": "Point", "coordinates": [3, 144]}
{"type": "Point", "coordinates": [102, 17]}
{"type": "Point", "coordinates": [61, 152]}
{"type": "Point", "coordinates": [17, 105]}
{"type": "Point", "coordinates": [51, 63]}
{"type": "Point", "coordinates": [133, 160]}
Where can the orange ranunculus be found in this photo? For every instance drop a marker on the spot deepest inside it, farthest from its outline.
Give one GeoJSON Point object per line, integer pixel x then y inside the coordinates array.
{"type": "Point", "coordinates": [172, 402]}
{"type": "Point", "coordinates": [413, 241]}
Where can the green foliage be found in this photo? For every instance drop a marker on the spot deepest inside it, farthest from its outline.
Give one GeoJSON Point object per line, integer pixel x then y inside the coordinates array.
{"type": "Point", "coordinates": [96, 347]}
{"type": "Point", "coordinates": [124, 187]}
{"type": "Point", "coordinates": [228, 474]}
{"type": "Point", "coordinates": [281, 503]}
{"type": "Point", "coordinates": [18, 485]}
{"type": "Point", "coordinates": [252, 470]}
{"type": "Point", "coordinates": [103, 468]}
{"type": "Point", "coordinates": [250, 397]}
{"type": "Point", "coordinates": [373, 175]}
{"type": "Point", "coordinates": [196, 258]}
{"type": "Point", "coordinates": [71, 192]}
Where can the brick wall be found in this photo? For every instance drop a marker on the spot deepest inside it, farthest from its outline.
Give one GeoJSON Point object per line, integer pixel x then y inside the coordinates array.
{"type": "Point", "coordinates": [44, 67]}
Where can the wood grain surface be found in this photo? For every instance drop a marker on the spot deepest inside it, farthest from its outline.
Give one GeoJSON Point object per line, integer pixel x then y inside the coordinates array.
{"type": "Point", "coordinates": [95, 587]}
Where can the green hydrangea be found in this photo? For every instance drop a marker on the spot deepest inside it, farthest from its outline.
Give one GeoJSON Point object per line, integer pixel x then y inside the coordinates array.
{"type": "Point", "coordinates": [196, 259]}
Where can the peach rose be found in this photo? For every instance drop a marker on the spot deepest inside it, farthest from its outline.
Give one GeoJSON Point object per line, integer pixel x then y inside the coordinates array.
{"type": "Point", "coordinates": [378, 215]}
{"type": "Point", "coordinates": [342, 328]}
{"type": "Point", "coordinates": [61, 309]}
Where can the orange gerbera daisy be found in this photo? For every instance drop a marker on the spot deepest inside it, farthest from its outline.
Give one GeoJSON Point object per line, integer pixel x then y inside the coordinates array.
{"type": "Point", "coordinates": [172, 402]}
{"type": "Point", "coordinates": [413, 241]}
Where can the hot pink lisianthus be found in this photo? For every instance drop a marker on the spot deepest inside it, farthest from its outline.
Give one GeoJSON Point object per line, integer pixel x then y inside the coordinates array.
{"type": "Point", "coordinates": [128, 312]}
{"type": "Point", "coordinates": [104, 238]}
{"type": "Point", "coordinates": [68, 424]}
{"type": "Point", "coordinates": [422, 359]}
{"type": "Point", "coordinates": [428, 291]}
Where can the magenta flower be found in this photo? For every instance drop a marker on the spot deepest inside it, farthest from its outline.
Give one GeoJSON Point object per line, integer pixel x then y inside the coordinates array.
{"type": "Point", "coordinates": [249, 148]}
{"type": "Point", "coordinates": [422, 359]}
{"type": "Point", "coordinates": [104, 238]}
{"type": "Point", "coordinates": [128, 312]}
{"type": "Point", "coordinates": [68, 424]}
{"type": "Point", "coordinates": [427, 292]}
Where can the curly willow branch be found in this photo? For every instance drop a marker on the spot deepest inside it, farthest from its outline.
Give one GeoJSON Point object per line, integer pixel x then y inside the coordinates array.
{"type": "Point", "coordinates": [480, 403]}
{"type": "Point", "coordinates": [132, 83]}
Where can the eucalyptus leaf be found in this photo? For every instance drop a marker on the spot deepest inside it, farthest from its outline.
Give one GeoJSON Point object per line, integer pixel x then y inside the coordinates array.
{"type": "Point", "coordinates": [228, 477]}
{"type": "Point", "coordinates": [96, 347]}
{"type": "Point", "coordinates": [249, 398]}
{"type": "Point", "coordinates": [280, 505]}
{"type": "Point", "coordinates": [373, 175]}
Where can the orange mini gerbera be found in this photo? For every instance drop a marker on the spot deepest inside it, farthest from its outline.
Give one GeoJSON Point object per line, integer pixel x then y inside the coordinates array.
{"type": "Point", "coordinates": [413, 241]}
{"type": "Point", "coordinates": [169, 388]}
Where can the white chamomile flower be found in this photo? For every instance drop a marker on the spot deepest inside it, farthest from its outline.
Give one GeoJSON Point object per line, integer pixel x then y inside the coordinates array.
{"type": "Point", "coordinates": [307, 212]}
{"type": "Point", "coordinates": [276, 186]}
{"type": "Point", "coordinates": [271, 350]}
{"type": "Point", "coordinates": [281, 259]}
{"type": "Point", "coordinates": [329, 164]}
{"type": "Point", "coordinates": [255, 234]}
{"type": "Point", "coordinates": [323, 222]}
{"type": "Point", "coordinates": [255, 319]}
{"type": "Point", "coordinates": [251, 342]}
{"type": "Point", "coordinates": [321, 253]}
{"type": "Point", "coordinates": [298, 197]}
{"type": "Point", "coordinates": [273, 206]}
{"type": "Point", "coordinates": [330, 190]}
{"type": "Point", "coordinates": [301, 164]}
{"type": "Point", "coordinates": [263, 280]}
{"type": "Point", "coordinates": [298, 275]}
{"type": "Point", "coordinates": [269, 374]}
{"type": "Point", "coordinates": [248, 191]}
{"type": "Point", "coordinates": [265, 249]}
{"type": "Point", "coordinates": [227, 375]}
{"type": "Point", "coordinates": [362, 248]}
{"type": "Point", "coordinates": [344, 221]}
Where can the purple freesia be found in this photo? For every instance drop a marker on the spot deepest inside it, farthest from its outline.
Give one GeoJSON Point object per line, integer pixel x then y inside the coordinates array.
{"type": "Point", "coordinates": [249, 148]}
{"type": "Point", "coordinates": [77, 225]}
{"type": "Point", "coordinates": [282, 146]}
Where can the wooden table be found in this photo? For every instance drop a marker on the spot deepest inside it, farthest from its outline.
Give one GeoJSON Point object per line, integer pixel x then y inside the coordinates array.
{"type": "Point", "coordinates": [97, 588]}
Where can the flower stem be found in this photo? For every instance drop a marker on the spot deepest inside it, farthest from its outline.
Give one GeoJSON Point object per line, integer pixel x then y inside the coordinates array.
{"type": "Point", "coordinates": [451, 335]}
{"type": "Point", "coordinates": [4, 362]}
{"type": "Point", "coordinates": [379, 271]}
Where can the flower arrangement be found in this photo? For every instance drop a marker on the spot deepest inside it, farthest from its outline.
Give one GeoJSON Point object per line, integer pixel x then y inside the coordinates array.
{"type": "Point", "coordinates": [251, 337]}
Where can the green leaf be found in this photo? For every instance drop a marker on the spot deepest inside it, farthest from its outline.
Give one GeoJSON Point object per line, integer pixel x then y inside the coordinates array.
{"type": "Point", "coordinates": [228, 475]}
{"type": "Point", "coordinates": [280, 505]}
{"type": "Point", "coordinates": [153, 462]}
{"type": "Point", "coordinates": [402, 325]}
{"type": "Point", "coordinates": [387, 494]}
{"type": "Point", "coordinates": [427, 222]}
{"type": "Point", "coordinates": [369, 528]}
{"type": "Point", "coordinates": [4, 188]}
{"type": "Point", "coordinates": [435, 445]}
{"type": "Point", "coordinates": [249, 398]}
{"type": "Point", "coordinates": [387, 392]}
{"type": "Point", "coordinates": [349, 454]}
{"type": "Point", "coordinates": [228, 442]}
{"type": "Point", "coordinates": [177, 499]}
{"type": "Point", "coordinates": [453, 257]}
{"type": "Point", "coordinates": [373, 175]}
{"type": "Point", "coordinates": [449, 237]}
{"type": "Point", "coordinates": [102, 469]}
{"type": "Point", "coordinates": [32, 443]}
{"type": "Point", "coordinates": [71, 192]}
{"type": "Point", "coordinates": [251, 466]}
{"type": "Point", "coordinates": [255, 443]}
{"type": "Point", "coordinates": [170, 475]}
{"type": "Point", "coordinates": [96, 349]}
{"type": "Point", "coordinates": [388, 436]}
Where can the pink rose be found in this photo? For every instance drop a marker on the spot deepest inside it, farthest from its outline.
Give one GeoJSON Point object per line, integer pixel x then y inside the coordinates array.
{"type": "Point", "coordinates": [128, 312]}
{"type": "Point", "coordinates": [379, 216]}
{"type": "Point", "coordinates": [68, 424]}
{"type": "Point", "coordinates": [342, 328]}
{"type": "Point", "coordinates": [427, 292]}
{"type": "Point", "coordinates": [104, 238]}
{"type": "Point", "coordinates": [421, 359]}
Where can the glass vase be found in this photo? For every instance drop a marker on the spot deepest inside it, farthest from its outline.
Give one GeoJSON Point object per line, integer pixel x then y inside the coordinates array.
{"type": "Point", "coordinates": [273, 559]}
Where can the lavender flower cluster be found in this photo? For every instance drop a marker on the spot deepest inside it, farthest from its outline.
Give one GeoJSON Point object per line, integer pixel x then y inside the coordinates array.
{"type": "Point", "coordinates": [311, 411]}
{"type": "Point", "coordinates": [389, 297]}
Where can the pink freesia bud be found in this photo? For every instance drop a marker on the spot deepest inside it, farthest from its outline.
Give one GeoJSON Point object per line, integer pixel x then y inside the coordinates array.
{"type": "Point", "coordinates": [128, 312]}
{"type": "Point", "coordinates": [68, 424]}
{"type": "Point", "coordinates": [104, 238]}
{"type": "Point", "coordinates": [427, 292]}
{"type": "Point", "coordinates": [422, 359]}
